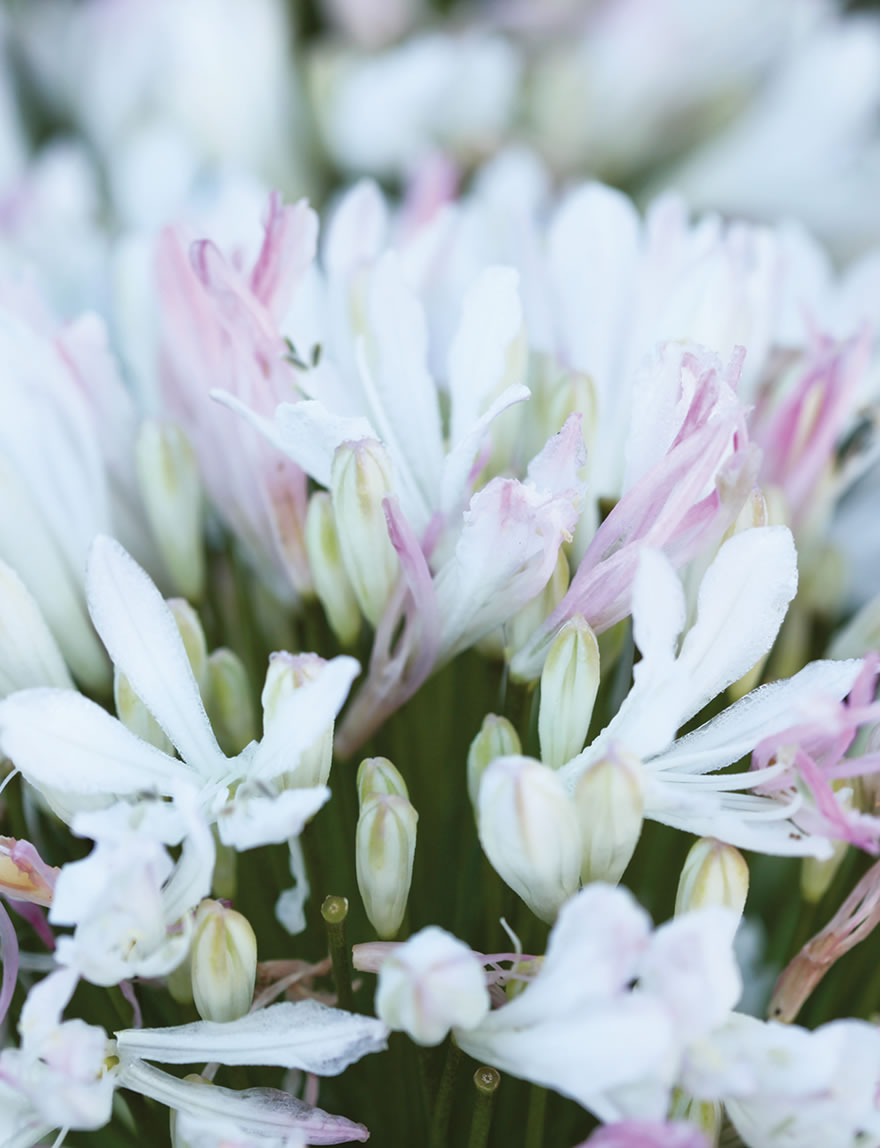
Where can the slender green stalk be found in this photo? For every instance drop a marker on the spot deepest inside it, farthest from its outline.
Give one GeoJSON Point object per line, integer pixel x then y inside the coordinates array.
{"type": "Point", "coordinates": [535, 1119]}
{"type": "Point", "coordinates": [443, 1103]}
{"type": "Point", "coordinates": [334, 910]}
{"type": "Point", "coordinates": [486, 1081]}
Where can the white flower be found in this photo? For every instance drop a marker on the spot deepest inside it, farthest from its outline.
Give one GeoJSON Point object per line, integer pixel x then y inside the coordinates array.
{"type": "Point", "coordinates": [74, 751]}
{"type": "Point", "coordinates": [741, 604]}
{"type": "Point", "coordinates": [430, 983]}
{"type": "Point", "coordinates": [583, 1030]}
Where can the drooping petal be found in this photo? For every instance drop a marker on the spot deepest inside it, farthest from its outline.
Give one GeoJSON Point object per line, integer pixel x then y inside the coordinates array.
{"type": "Point", "coordinates": [257, 818]}
{"type": "Point", "coordinates": [9, 957]}
{"type": "Point", "coordinates": [144, 642]}
{"type": "Point", "coordinates": [261, 1112]}
{"type": "Point", "coordinates": [305, 1035]}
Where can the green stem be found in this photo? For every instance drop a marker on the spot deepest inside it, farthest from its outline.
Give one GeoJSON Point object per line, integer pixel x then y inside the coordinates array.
{"type": "Point", "coordinates": [486, 1081]}
{"type": "Point", "coordinates": [334, 910]}
{"type": "Point", "coordinates": [535, 1119]}
{"type": "Point", "coordinates": [443, 1103]}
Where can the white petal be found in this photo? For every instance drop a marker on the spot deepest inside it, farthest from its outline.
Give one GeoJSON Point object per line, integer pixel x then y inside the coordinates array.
{"type": "Point", "coordinates": [255, 818]}
{"type": "Point", "coordinates": [262, 1112]}
{"type": "Point", "coordinates": [303, 715]}
{"type": "Point", "coordinates": [306, 432]}
{"type": "Point", "coordinates": [743, 598]}
{"type": "Point", "coordinates": [491, 317]}
{"type": "Point", "coordinates": [658, 610]}
{"type": "Point", "coordinates": [144, 642]}
{"type": "Point", "coordinates": [59, 739]}
{"type": "Point", "coordinates": [305, 1035]}
{"type": "Point", "coordinates": [458, 463]}
{"type": "Point", "coordinates": [404, 406]}
{"type": "Point", "coordinates": [765, 711]}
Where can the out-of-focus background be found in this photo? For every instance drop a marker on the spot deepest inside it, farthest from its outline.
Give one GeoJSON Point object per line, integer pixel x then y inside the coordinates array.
{"type": "Point", "coordinates": [116, 115]}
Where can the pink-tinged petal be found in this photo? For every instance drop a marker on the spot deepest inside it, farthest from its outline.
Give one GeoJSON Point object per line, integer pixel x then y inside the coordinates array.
{"type": "Point", "coordinates": [397, 671]}
{"type": "Point", "coordinates": [433, 184]}
{"type": "Point", "coordinates": [144, 642]}
{"type": "Point", "coordinates": [303, 715]}
{"type": "Point", "coordinates": [24, 875]}
{"type": "Point", "coordinates": [36, 918]}
{"type": "Point", "coordinates": [800, 437]}
{"type": "Point", "coordinates": [9, 956]}
{"type": "Point", "coordinates": [510, 541]}
{"type": "Point", "coordinates": [305, 1035]}
{"type": "Point", "coordinates": [62, 741]}
{"type": "Point", "coordinates": [289, 245]}
{"type": "Point", "coordinates": [646, 1134]}
{"type": "Point", "coordinates": [261, 1112]}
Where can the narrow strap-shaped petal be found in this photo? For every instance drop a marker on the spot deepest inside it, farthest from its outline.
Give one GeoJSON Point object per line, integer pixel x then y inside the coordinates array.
{"type": "Point", "coordinates": [144, 642]}
{"type": "Point", "coordinates": [59, 739]}
{"type": "Point", "coordinates": [743, 598]}
{"type": "Point", "coordinates": [302, 717]}
{"type": "Point", "coordinates": [262, 1112]}
{"type": "Point", "coordinates": [305, 1035]}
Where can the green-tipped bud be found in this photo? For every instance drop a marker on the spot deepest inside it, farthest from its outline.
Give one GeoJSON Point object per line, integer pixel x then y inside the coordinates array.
{"type": "Point", "coordinates": [287, 673]}
{"type": "Point", "coordinates": [522, 625]}
{"type": "Point", "coordinates": [384, 852]}
{"type": "Point", "coordinates": [610, 809]}
{"type": "Point", "coordinates": [133, 714]}
{"type": "Point", "coordinates": [703, 1114]}
{"type": "Point", "coordinates": [228, 701]}
{"type": "Point", "coordinates": [528, 829]}
{"type": "Point", "coordinates": [168, 477]}
{"type": "Point", "coordinates": [569, 683]}
{"type": "Point", "coordinates": [817, 875]}
{"type": "Point", "coordinates": [223, 962]}
{"type": "Point", "coordinates": [360, 479]}
{"type": "Point", "coordinates": [332, 584]}
{"type": "Point", "coordinates": [497, 738]}
{"type": "Point", "coordinates": [193, 637]}
{"type": "Point", "coordinates": [714, 874]}
{"type": "Point", "coordinates": [574, 393]}
{"type": "Point", "coordinates": [377, 777]}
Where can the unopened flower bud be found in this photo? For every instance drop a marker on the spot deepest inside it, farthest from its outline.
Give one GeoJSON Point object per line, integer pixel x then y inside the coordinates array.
{"type": "Point", "coordinates": [818, 873]}
{"type": "Point", "coordinates": [223, 961]}
{"type": "Point", "coordinates": [497, 738]}
{"type": "Point", "coordinates": [429, 984]}
{"type": "Point", "coordinates": [29, 655]}
{"type": "Point", "coordinates": [523, 624]}
{"type": "Point", "coordinates": [193, 636]}
{"type": "Point", "coordinates": [228, 701]}
{"type": "Point", "coordinates": [287, 673]}
{"type": "Point", "coordinates": [376, 776]}
{"type": "Point", "coordinates": [714, 874]}
{"type": "Point", "coordinates": [360, 480]}
{"type": "Point", "coordinates": [574, 393]}
{"type": "Point", "coordinates": [528, 829]}
{"type": "Point", "coordinates": [332, 584]}
{"type": "Point", "coordinates": [610, 810]}
{"type": "Point", "coordinates": [168, 477]}
{"type": "Point", "coordinates": [384, 853]}
{"type": "Point", "coordinates": [569, 683]}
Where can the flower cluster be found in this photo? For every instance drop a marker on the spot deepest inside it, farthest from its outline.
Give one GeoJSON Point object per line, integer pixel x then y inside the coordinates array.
{"type": "Point", "coordinates": [407, 600]}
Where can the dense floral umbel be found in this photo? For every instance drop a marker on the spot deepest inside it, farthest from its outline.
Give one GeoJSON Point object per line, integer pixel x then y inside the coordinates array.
{"type": "Point", "coordinates": [561, 493]}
